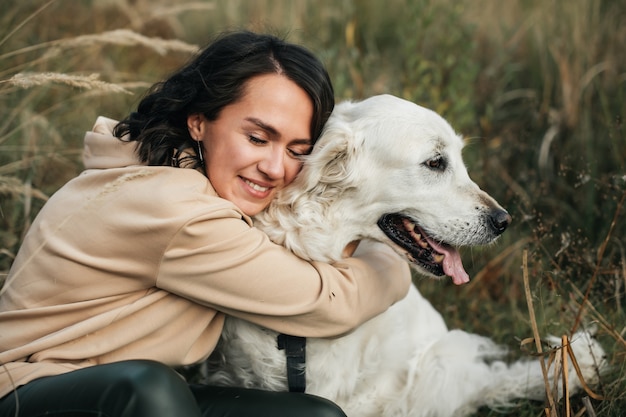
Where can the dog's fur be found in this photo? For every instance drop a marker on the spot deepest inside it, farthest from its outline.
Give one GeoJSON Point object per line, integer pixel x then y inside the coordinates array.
{"type": "Point", "coordinates": [377, 157]}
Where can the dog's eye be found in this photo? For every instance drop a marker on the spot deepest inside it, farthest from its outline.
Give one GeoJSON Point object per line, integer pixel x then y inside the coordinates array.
{"type": "Point", "coordinates": [437, 163]}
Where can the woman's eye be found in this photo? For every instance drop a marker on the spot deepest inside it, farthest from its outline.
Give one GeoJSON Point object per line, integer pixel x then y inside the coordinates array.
{"type": "Point", "coordinates": [256, 140]}
{"type": "Point", "coordinates": [297, 153]}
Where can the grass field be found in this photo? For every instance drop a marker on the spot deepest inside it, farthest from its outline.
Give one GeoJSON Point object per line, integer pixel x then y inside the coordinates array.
{"type": "Point", "coordinates": [537, 87]}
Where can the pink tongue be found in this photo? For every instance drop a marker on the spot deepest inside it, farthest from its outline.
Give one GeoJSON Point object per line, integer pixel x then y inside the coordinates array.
{"type": "Point", "coordinates": [452, 264]}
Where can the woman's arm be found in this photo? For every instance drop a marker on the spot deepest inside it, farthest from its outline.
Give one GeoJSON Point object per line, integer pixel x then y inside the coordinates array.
{"type": "Point", "coordinates": [228, 265]}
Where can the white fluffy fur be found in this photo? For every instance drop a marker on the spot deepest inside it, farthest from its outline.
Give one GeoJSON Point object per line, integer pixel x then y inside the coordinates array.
{"type": "Point", "coordinates": [405, 362]}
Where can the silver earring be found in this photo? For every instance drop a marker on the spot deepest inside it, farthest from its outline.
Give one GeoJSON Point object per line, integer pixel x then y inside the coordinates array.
{"type": "Point", "coordinates": [200, 152]}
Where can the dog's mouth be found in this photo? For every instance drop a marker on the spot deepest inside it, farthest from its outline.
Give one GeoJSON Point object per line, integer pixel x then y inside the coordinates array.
{"type": "Point", "coordinates": [437, 258]}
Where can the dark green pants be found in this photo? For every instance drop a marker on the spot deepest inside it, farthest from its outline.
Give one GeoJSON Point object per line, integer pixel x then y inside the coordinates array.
{"type": "Point", "coordinates": [142, 388]}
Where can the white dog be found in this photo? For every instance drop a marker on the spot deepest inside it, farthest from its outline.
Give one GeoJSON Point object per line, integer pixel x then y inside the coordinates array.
{"type": "Point", "coordinates": [388, 170]}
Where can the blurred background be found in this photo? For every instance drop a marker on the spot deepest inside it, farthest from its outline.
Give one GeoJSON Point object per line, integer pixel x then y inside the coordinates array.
{"type": "Point", "coordinates": [537, 88]}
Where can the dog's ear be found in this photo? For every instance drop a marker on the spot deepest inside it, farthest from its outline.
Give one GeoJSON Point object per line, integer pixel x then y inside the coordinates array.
{"type": "Point", "coordinates": [326, 175]}
{"type": "Point", "coordinates": [332, 160]}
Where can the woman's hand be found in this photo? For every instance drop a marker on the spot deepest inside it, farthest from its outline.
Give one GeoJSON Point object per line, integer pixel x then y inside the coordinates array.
{"type": "Point", "coordinates": [389, 266]}
{"type": "Point", "coordinates": [348, 251]}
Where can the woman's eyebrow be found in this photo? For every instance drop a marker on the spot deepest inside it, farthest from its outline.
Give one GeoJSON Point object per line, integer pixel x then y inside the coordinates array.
{"type": "Point", "coordinates": [272, 130]}
{"type": "Point", "coordinates": [262, 125]}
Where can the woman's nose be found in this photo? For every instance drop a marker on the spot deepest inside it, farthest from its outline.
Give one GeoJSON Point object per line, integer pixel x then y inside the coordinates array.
{"type": "Point", "coordinates": [273, 164]}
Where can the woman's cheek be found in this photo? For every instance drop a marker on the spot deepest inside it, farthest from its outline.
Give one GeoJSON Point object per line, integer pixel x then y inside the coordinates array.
{"type": "Point", "coordinates": [292, 171]}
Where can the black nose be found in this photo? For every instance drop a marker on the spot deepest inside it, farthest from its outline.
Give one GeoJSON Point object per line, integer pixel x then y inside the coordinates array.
{"type": "Point", "coordinates": [500, 220]}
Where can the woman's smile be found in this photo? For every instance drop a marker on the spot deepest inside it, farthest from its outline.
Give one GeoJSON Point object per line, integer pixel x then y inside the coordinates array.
{"type": "Point", "coordinates": [256, 186]}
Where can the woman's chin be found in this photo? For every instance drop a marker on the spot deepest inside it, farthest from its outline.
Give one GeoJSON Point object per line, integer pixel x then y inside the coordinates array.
{"type": "Point", "coordinates": [251, 209]}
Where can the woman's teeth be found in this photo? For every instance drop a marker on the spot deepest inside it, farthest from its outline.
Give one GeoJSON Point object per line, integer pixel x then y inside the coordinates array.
{"type": "Point", "coordinates": [256, 187]}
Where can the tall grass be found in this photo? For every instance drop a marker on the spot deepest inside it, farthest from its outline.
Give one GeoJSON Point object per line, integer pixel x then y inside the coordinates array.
{"type": "Point", "coordinates": [537, 87]}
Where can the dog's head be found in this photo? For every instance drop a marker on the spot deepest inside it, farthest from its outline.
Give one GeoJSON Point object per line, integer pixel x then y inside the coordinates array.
{"type": "Point", "coordinates": [390, 170]}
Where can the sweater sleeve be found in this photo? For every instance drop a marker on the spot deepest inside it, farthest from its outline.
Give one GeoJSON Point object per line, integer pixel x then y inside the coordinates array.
{"type": "Point", "coordinates": [224, 263]}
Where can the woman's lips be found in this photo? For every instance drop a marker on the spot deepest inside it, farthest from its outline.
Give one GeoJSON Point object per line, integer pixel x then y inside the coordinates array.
{"type": "Point", "coordinates": [256, 187]}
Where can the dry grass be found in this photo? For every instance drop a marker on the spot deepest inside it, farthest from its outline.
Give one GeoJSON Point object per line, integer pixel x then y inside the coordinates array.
{"type": "Point", "coordinates": [538, 86]}
{"type": "Point", "coordinates": [89, 82]}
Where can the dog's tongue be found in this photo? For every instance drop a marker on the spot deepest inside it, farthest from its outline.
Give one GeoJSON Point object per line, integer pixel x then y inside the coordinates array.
{"type": "Point", "coordinates": [452, 264]}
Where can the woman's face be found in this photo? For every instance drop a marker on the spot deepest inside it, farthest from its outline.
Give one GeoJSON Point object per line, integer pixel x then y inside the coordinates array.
{"type": "Point", "coordinates": [252, 150]}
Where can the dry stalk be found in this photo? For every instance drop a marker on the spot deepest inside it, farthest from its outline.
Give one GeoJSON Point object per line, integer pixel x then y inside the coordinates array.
{"type": "Point", "coordinates": [123, 37]}
{"type": "Point", "coordinates": [551, 410]}
{"type": "Point", "coordinates": [127, 37]}
{"type": "Point", "coordinates": [570, 352]}
{"type": "Point", "coordinates": [556, 363]}
{"type": "Point", "coordinates": [590, 411]}
{"type": "Point", "coordinates": [564, 351]}
{"type": "Point", "coordinates": [90, 82]}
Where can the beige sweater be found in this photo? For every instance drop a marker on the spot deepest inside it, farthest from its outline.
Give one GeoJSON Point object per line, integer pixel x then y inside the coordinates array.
{"type": "Point", "coordinates": [134, 262]}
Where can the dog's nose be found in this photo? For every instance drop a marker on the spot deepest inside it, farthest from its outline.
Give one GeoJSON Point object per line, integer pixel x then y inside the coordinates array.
{"type": "Point", "coordinates": [500, 220]}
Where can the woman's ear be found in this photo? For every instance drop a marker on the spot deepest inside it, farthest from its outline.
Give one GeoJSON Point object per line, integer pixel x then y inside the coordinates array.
{"type": "Point", "coordinates": [196, 123]}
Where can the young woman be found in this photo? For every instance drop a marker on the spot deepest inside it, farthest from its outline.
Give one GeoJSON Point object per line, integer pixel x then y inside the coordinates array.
{"type": "Point", "coordinates": [130, 268]}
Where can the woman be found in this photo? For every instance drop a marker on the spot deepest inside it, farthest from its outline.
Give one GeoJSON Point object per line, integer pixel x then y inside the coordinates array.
{"type": "Point", "coordinates": [129, 268]}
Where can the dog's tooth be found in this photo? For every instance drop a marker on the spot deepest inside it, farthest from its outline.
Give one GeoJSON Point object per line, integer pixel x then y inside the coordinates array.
{"type": "Point", "coordinates": [438, 258]}
{"type": "Point", "coordinates": [422, 242]}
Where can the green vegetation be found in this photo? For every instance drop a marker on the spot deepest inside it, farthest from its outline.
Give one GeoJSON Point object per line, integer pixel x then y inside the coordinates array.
{"type": "Point", "coordinates": [537, 87]}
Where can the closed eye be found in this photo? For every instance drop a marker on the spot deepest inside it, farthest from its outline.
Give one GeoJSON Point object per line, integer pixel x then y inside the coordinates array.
{"type": "Point", "coordinates": [256, 140]}
{"type": "Point", "coordinates": [300, 152]}
{"type": "Point", "coordinates": [297, 151]}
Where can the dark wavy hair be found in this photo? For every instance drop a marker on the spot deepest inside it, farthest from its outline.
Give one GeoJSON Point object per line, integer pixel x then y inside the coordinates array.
{"type": "Point", "coordinates": [216, 78]}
